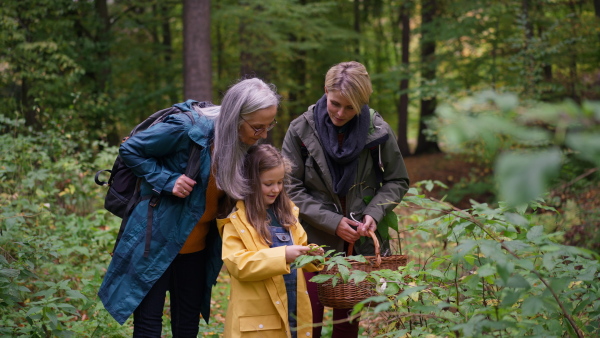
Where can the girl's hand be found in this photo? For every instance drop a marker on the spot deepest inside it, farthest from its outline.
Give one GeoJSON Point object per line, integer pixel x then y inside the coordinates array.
{"type": "Point", "coordinates": [294, 251]}
{"type": "Point", "coordinates": [315, 250]}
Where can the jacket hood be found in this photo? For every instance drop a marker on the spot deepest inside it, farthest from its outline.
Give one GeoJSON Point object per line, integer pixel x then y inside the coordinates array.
{"type": "Point", "coordinates": [202, 130]}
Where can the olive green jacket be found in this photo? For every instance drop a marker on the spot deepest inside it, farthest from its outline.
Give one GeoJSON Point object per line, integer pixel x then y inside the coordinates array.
{"type": "Point", "coordinates": [311, 186]}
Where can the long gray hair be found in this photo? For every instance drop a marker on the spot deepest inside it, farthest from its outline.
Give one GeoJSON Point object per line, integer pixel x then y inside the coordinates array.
{"type": "Point", "coordinates": [245, 97]}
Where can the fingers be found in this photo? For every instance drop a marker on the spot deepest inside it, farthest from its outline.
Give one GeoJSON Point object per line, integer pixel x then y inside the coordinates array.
{"type": "Point", "coordinates": [347, 233]}
{"type": "Point", "coordinates": [183, 186]}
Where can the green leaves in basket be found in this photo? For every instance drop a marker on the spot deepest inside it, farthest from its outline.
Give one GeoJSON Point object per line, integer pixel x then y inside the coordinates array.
{"type": "Point", "coordinates": [339, 268]}
{"type": "Point", "coordinates": [389, 220]}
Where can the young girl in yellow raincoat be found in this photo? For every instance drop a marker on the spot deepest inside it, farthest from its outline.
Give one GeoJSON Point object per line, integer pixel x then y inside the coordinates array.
{"type": "Point", "coordinates": [261, 237]}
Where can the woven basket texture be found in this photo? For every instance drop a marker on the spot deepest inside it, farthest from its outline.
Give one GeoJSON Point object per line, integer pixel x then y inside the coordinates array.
{"type": "Point", "coordinates": [346, 295]}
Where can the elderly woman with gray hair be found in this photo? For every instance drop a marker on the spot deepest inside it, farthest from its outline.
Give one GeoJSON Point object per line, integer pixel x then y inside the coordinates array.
{"type": "Point", "coordinates": [184, 254]}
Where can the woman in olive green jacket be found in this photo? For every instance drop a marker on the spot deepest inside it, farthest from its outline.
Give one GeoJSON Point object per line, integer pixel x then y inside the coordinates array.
{"type": "Point", "coordinates": [348, 172]}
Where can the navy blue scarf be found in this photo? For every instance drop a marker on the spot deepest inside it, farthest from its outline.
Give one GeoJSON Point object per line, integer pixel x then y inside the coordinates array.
{"type": "Point", "coordinates": [342, 161]}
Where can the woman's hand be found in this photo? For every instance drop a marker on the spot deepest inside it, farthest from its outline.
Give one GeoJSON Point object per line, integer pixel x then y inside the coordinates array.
{"type": "Point", "coordinates": [346, 232]}
{"type": "Point", "coordinates": [294, 251]}
{"type": "Point", "coordinates": [367, 225]}
{"type": "Point", "coordinates": [183, 186]}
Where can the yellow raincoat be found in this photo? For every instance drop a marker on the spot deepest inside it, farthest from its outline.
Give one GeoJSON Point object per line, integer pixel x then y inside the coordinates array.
{"type": "Point", "coordinates": [258, 301]}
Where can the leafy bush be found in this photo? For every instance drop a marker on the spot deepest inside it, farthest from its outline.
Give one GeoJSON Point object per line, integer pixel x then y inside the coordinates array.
{"type": "Point", "coordinates": [500, 275]}
{"type": "Point", "coordinates": [54, 243]}
{"type": "Point", "coordinates": [530, 143]}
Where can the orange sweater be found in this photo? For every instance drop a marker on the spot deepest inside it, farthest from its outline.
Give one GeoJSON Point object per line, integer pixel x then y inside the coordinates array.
{"type": "Point", "coordinates": [196, 241]}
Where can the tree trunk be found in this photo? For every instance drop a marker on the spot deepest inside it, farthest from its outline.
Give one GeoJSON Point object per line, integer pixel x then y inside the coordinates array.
{"type": "Point", "coordinates": [428, 67]}
{"type": "Point", "coordinates": [357, 27]}
{"type": "Point", "coordinates": [167, 42]}
{"type": "Point", "coordinates": [103, 40]}
{"type": "Point", "coordinates": [197, 70]}
{"type": "Point", "coordinates": [404, 19]}
{"type": "Point", "coordinates": [597, 11]}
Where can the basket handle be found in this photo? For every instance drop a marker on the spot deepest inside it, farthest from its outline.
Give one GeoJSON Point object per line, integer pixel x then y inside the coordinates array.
{"type": "Point", "coordinates": [377, 251]}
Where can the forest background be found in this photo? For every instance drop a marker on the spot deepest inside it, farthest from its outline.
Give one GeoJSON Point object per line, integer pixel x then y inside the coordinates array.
{"type": "Point", "coordinates": [494, 102]}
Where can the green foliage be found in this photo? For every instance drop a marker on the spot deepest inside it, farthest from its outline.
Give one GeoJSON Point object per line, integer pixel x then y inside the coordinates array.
{"type": "Point", "coordinates": [501, 275]}
{"type": "Point", "coordinates": [54, 243]}
{"type": "Point", "coordinates": [529, 143]}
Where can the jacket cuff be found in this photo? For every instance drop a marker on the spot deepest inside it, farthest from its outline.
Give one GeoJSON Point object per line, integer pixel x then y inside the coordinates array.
{"type": "Point", "coordinates": [165, 182]}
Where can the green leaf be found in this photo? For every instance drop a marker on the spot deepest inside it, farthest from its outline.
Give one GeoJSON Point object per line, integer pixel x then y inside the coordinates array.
{"type": "Point", "coordinates": [34, 309]}
{"type": "Point", "coordinates": [505, 270]}
{"type": "Point", "coordinates": [587, 146]}
{"type": "Point", "coordinates": [391, 288]}
{"type": "Point", "coordinates": [10, 273]}
{"type": "Point", "coordinates": [75, 294]}
{"type": "Point", "coordinates": [358, 276]}
{"type": "Point", "coordinates": [321, 278]}
{"type": "Point", "coordinates": [549, 261]}
{"type": "Point", "coordinates": [51, 315]}
{"type": "Point", "coordinates": [535, 233]}
{"type": "Point", "coordinates": [523, 177]}
{"type": "Point", "coordinates": [470, 259]}
{"type": "Point", "coordinates": [465, 247]}
{"type": "Point", "coordinates": [510, 298]}
{"type": "Point", "coordinates": [532, 306]}
{"type": "Point", "coordinates": [518, 282]}
{"type": "Point", "coordinates": [344, 273]}
{"type": "Point", "coordinates": [560, 284]}
{"type": "Point", "coordinates": [389, 221]}
{"type": "Point", "coordinates": [409, 291]}
{"type": "Point", "coordinates": [486, 270]}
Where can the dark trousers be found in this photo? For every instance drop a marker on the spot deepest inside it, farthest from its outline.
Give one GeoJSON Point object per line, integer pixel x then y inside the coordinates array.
{"type": "Point", "coordinates": [184, 279]}
{"type": "Point", "coordinates": [341, 330]}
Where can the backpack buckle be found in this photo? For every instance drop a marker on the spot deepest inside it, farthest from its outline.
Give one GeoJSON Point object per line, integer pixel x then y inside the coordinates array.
{"type": "Point", "coordinates": [154, 201]}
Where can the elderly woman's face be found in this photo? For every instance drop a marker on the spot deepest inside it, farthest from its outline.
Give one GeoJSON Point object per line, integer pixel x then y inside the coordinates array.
{"type": "Point", "coordinates": [339, 108]}
{"type": "Point", "coordinates": [254, 125]}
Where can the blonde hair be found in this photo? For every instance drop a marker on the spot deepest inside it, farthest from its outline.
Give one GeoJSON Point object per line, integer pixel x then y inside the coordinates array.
{"type": "Point", "coordinates": [261, 158]}
{"type": "Point", "coordinates": [352, 80]}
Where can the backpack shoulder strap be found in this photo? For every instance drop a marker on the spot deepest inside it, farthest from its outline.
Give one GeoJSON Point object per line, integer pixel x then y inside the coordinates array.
{"type": "Point", "coordinates": [377, 163]}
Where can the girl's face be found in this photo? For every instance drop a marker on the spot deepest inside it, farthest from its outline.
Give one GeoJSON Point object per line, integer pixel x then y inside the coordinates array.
{"type": "Point", "coordinates": [254, 125]}
{"type": "Point", "coordinates": [339, 108]}
{"type": "Point", "coordinates": [271, 183]}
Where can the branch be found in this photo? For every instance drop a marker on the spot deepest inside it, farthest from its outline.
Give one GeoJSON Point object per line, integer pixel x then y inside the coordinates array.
{"type": "Point", "coordinates": [482, 227]}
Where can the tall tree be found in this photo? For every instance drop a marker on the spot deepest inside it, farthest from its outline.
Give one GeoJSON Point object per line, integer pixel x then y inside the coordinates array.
{"type": "Point", "coordinates": [404, 20]}
{"type": "Point", "coordinates": [197, 64]}
{"type": "Point", "coordinates": [428, 75]}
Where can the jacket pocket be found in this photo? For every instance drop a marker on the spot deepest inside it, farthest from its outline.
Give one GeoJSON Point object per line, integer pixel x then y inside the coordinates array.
{"type": "Point", "coordinates": [260, 323]}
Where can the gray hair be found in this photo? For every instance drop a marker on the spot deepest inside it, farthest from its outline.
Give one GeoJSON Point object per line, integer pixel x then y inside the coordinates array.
{"type": "Point", "coordinates": [245, 97]}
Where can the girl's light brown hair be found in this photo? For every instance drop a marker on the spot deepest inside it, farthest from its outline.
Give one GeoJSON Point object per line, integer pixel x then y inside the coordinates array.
{"type": "Point", "coordinates": [259, 159]}
{"type": "Point", "coordinates": [352, 80]}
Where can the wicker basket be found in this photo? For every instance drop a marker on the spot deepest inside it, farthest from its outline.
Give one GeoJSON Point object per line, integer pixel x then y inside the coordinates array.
{"type": "Point", "coordinates": [346, 295]}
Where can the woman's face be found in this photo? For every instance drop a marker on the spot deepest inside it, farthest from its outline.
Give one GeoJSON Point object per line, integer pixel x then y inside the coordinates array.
{"type": "Point", "coordinates": [259, 120]}
{"type": "Point", "coordinates": [339, 108]}
{"type": "Point", "coordinates": [271, 184]}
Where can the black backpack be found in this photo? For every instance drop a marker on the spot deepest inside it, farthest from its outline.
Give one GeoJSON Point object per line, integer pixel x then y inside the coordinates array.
{"type": "Point", "coordinates": [124, 186]}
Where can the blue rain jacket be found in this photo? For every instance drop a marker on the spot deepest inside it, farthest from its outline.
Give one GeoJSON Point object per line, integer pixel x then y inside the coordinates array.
{"type": "Point", "coordinates": [159, 155]}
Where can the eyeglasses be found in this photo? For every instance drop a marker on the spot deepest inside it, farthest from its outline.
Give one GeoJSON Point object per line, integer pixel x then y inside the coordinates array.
{"type": "Point", "coordinates": [260, 130]}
